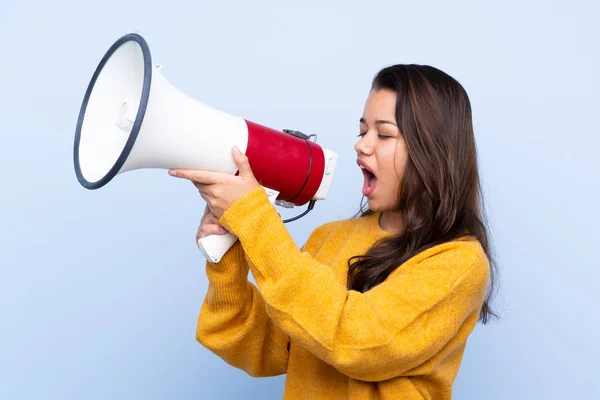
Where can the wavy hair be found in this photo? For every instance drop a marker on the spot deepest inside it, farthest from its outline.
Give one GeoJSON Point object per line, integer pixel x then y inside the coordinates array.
{"type": "Point", "coordinates": [440, 192]}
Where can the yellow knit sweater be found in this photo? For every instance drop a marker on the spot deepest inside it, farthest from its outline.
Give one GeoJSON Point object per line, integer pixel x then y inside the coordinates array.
{"type": "Point", "coordinates": [403, 339]}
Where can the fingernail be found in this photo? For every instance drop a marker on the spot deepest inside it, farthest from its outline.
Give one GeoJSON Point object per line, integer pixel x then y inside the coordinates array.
{"type": "Point", "coordinates": [172, 173]}
{"type": "Point", "coordinates": [236, 150]}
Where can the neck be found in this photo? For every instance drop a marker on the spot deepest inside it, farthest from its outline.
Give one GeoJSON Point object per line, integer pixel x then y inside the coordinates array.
{"type": "Point", "coordinates": [392, 222]}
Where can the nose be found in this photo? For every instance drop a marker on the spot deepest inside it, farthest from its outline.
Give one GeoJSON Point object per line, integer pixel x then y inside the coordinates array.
{"type": "Point", "coordinates": [364, 145]}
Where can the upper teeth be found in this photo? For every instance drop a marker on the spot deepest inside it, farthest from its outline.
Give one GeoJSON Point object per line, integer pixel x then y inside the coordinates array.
{"type": "Point", "coordinates": [362, 166]}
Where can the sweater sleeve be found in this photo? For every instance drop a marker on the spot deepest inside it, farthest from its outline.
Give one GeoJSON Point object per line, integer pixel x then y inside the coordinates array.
{"type": "Point", "coordinates": [233, 322]}
{"type": "Point", "coordinates": [386, 332]}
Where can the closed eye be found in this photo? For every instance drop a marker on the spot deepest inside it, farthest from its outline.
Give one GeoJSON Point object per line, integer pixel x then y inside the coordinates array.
{"type": "Point", "coordinates": [379, 135]}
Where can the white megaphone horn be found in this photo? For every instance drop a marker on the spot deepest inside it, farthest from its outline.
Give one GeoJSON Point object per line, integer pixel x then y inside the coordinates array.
{"type": "Point", "coordinates": [132, 118]}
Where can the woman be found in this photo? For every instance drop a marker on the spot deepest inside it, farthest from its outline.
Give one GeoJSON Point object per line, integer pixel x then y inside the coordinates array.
{"type": "Point", "coordinates": [374, 307]}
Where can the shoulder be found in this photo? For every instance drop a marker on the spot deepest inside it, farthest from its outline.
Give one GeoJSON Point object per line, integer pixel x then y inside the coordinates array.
{"type": "Point", "coordinates": [466, 250]}
{"type": "Point", "coordinates": [455, 261]}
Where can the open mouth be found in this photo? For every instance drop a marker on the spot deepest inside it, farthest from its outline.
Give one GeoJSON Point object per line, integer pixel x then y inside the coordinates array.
{"type": "Point", "coordinates": [370, 181]}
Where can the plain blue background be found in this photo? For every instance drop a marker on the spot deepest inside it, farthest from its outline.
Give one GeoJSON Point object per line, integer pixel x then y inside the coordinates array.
{"type": "Point", "coordinates": [100, 290]}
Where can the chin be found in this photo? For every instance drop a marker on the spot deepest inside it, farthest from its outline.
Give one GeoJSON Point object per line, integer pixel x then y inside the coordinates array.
{"type": "Point", "coordinates": [374, 205]}
{"type": "Point", "coordinates": [377, 206]}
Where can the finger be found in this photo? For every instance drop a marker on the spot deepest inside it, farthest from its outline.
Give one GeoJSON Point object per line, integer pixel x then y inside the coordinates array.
{"type": "Point", "coordinates": [198, 176]}
{"type": "Point", "coordinates": [206, 216]}
{"type": "Point", "coordinates": [206, 230]}
{"type": "Point", "coordinates": [242, 162]}
{"type": "Point", "coordinates": [211, 219]}
{"type": "Point", "coordinates": [213, 205]}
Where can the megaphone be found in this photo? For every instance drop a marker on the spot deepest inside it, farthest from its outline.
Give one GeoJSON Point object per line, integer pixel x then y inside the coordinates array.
{"type": "Point", "coordinates": [132, 118]}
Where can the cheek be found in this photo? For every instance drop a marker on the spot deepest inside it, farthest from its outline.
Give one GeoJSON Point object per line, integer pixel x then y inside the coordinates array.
{"type": "Point", "coordinates": [387, 178]}
{"type": "Point", "coordinates": [399, 166]}
{"type": "Point", "coordinates": [394, 162]}
{"type": "Point", "coordinates": [391, 163]}
{"type": "Point", "coordinates": [400, 159]}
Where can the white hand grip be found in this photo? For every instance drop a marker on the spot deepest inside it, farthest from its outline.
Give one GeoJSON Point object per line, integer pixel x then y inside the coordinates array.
{"type": "Point", "coordinates": [215, 246]}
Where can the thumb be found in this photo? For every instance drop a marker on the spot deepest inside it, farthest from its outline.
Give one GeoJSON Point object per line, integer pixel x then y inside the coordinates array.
{"type": "Point", "coordinates": [242, 162]}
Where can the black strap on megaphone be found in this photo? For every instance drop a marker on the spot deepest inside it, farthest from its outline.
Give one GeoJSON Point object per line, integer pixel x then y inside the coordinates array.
{"type": "Point", "coordinates": [311, 204]}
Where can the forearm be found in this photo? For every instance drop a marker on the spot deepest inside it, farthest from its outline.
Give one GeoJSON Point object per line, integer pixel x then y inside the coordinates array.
{"type": "Point", "coordinates": [233, 322]}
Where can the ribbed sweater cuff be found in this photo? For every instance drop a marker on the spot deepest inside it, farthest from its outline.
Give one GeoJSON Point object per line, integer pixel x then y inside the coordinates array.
{"type": "Point", "coordinates": [264, 237]}
{"type": "Point", "coordinates": [228, 279]}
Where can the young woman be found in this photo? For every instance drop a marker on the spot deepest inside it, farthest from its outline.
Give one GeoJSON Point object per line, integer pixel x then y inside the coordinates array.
{"type": "Point", "coordinates": [374, 307]}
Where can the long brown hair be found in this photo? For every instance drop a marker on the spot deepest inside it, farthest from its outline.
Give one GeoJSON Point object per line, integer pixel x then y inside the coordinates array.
{"type": "Point", "coordinates": [440, 192]}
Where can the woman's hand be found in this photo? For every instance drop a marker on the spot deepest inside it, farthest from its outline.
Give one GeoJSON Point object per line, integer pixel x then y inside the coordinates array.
{"type": "Point", "coordinates": [209, 225]}
{"type": "Point", "coordinates": [221, 190]}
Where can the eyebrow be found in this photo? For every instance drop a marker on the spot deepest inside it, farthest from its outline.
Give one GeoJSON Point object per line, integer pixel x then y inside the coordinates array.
{"type": "Point", "coordinates": [379, 121]}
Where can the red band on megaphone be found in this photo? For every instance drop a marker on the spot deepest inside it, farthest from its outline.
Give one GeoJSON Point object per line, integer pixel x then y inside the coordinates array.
{"type": "Point", "coordinates": [282, 162]}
